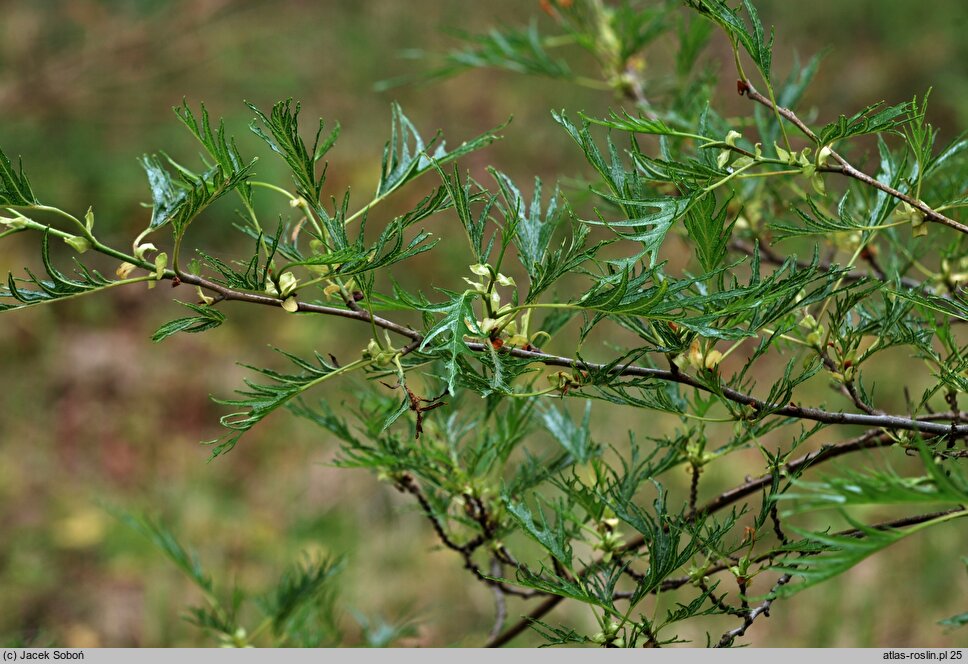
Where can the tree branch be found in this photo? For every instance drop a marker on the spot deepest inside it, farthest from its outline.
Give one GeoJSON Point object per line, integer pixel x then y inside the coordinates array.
{"type": "Point", "coordinates": [789, 410]}
{"type": "Point", "coordinates": [762, 609]}
{"type": "Point", "coordinates": [847, 169]}
{"type": "Point", "coordinates": [870, 440]}
{"type": "Point", "coordinates": [672, 584]}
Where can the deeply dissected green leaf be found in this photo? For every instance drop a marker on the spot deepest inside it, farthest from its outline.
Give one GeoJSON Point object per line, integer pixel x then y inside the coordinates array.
{"type": "Point", "coordinates": [36, 290]}
{"type": "Point", "coordinates": [14, 185]}
{"type": "Point", "coordinates": [817, 222]}
{"type": "Point", "coordinates": [461, 196]}
{"type": "Point", "coordinates": [755, 43]}
{"type": "Point", "coordinates": [623, 293]}
{"type": "Point", "coordinates": [655, 218]}
{"type": "Point", "coordinates": [458, 320]}
{"type": "Point", "coordinates": [283, 138]}
{"type": "Point", "coordinates": [179, 199]}
{"type": "Point", "coordinates": [517, 50]}
{"type": "Point", "coordinates": [532, 227]}
{"type": "Point", "coordinates": [407, 156]}
{"type": "Point", "coordinates": [870, 120]}
{"type": "Point", "coordinates": [299, 586]}
{"type": "Point", "coordinates": [162, 537]}
{"type": "Point", "coordinates": [708, 229]}
{"type": "Point", "coordinates": [574, 438]}
{"type": "Point", "coordinates": [567, 258]}
{"type": "Point", "coordinates": [220, 148]}
{"type": "Point", "coordinates": [842, 552]}
{"type": "Point", "coordinates": [207, 318]}
{"type": "Point", "coordinates": [552, 537]}
{"type": "Point", "coordinates": [261, 399]}
{"type": "Point", "coordinates": [955, 307]}
{"type": "Point", "coordinates": [663, 535]}
{"type": "Point", "coordinates": [640, 125]}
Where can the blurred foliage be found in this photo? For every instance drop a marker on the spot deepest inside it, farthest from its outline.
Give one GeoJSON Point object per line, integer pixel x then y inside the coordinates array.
{"type": "Point", "coordinates": [86, 85]}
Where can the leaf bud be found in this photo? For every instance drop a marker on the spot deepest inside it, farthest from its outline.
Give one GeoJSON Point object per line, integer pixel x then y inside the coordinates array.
{"type": "Point", "coordinates": [161, 262]}
{"type": "Point", "coordinates": [287, 283]}
{"type": "Point", "coordinates": [743, 162]}
{"type": "Point", "coordinates": [823, 155]}
{"type": "Point", "coordinates": [816, 180]}
{"type": "Point", "coordinates": [712, 360]}
{"type": "Point", "coordinates": [80, 244]}
{"type": "Point", "coordinates": [14, 223]}
{"type": "Point", "coordinates": [124, 270]}
{"type": "Point", "coordinates": [907, 212]}
{"type": "Point", "coordinates": [142, 250]}
{"type": "Point", "coordinates": [202, 297]}
{"type": "Point", "coordinates": [815, 338]}
{"type": "Point", "coordinates": [783, 155]}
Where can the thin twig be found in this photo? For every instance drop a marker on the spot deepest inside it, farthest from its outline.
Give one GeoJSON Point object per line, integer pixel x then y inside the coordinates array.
{"type": "Point", "coordinates": [848, 170]}
{"type": "Point", "coordinates": [763, 609]}
{"type": "Point", "coordinates": [408, 484]}
{"type": "Point", "coordinates": [869, 440]}
{"type": "Point", "coordinates": [788, 410]}
{"type": "Point", "coordinates": [672, 584]}
{"type": "Point", "coordinates": [500, 601]}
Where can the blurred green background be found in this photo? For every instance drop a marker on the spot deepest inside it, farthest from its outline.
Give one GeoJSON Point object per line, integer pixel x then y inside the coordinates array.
{"type": "Point", "coordinates": [92, 414]}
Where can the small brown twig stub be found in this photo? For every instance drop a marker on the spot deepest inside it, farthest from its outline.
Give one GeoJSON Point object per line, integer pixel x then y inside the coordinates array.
{"type": "Point", "coordinates": [418, 405]}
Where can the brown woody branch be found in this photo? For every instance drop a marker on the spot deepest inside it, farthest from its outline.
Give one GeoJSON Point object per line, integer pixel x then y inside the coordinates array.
{"type": "Point", "coordinates": [885, 421]}
{"type": "Point", "coordinates": [407, 484]}
{"type": "Point", "coordinates": [875, 438]}
{"type": "Point", "coordinates": [870, 440]}
{"type": "Point", "coordinates": [845, 167]}
{"type": "Point", "coordinates": [672, 584]}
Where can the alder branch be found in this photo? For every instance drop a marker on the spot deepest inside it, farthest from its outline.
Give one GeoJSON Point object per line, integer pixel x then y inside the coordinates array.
{"type": "Point", "coordinates": [789, 410]}
{"type": "Point", "coordinates": [869, 440]}
{"type": "Point", "coordinates": [748, 618]}
{"type": "Point", "coordinates": [672, 584]}
{"type": "Point", "coordinates": [845, 167]}
{"type": "Point", "coordinates": [673, 375]}
{"type": "Point", "coordinates": [407, 484]}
